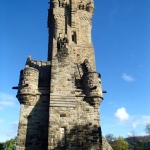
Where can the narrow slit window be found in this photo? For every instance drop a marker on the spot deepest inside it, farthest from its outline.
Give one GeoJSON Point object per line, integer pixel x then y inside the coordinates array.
{"type": "Point", "coordinates": [74, 37]}
{"type": "Point", "coordinates": [62, 137]}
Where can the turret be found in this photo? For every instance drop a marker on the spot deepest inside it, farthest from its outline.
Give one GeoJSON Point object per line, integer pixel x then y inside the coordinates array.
{"type": "Point", "coordinates": [92, 84]}
{"type": "Point", "coordinates": [28, 85]}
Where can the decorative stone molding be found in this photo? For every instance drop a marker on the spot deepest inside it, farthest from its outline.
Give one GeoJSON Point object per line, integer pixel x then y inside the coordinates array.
{"type": "Point", "coordinates": [62, 3]}
{"type": "Point", "coordinates": [81, 5]}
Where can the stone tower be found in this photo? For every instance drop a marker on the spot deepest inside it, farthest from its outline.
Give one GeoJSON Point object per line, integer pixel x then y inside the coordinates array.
{"type": "Point", "coordinates": [60, 97]}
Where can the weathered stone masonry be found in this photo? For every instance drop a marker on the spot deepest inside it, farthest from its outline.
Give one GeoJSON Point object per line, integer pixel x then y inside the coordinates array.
{"type": "Point", "coordinates": [60, 97]}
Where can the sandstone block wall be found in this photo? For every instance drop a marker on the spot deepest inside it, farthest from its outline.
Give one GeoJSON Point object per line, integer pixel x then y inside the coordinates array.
{"type": "Point", "coordinates": [33, 125]}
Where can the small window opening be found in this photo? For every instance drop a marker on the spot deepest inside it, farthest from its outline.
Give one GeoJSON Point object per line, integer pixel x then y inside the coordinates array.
{"type": "Point", "coordinates": [62, 137]}
{"type": "Point", "coordinates": [74, 37]}
{"type": "Point", "coordinates": [62, 115]}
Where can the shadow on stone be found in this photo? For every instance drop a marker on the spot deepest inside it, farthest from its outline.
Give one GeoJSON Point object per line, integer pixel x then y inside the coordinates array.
{"type": "Point", "coordinates": [81, 137]}
{"type": "Point", "coordinates": [37, 126]}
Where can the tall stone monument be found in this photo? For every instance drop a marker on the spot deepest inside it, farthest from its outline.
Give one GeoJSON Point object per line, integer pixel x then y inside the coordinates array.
{"type": "Point", "coordinates": [60, 97]}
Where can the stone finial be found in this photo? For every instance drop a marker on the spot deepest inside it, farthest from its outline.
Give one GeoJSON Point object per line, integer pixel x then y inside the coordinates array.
{"type": "Point", "coordinates": [29, 58]}
{"type": "Point", "coordinates": [90, 7]}
{"type": "Point", "coordinates": [55, 3]}
{"type": "Point", "coordinates": [28, 61]}
{"type": "Point", "coordinates": [62, 3]}
{"type": "Point", "coordinates": [81, 5]}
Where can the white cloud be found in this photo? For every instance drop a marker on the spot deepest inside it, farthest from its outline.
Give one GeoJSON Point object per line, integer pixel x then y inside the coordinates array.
{"type": "Point", "coordinates": [121, 114]}
{"type": "Point", "coordinates": [137, 123]}
{"type": "Point", "coordinates": [6, 100]}
{"type": "Point", "coordinates": [140, 120]}
{"type": "Point", "coordinates": [129, 122]}
{"type": "Point", "coordinates": [11, 134]}
{"type": "Point", "coordinates": [4, 103]}
{"type": "Point", "coordinates": [113, 104]}
{"type": "Point", "coordinates": [134, 125]}
{"type": "Point", "coordinates": [143, 134]}
{"type": "Point", "coordinates": [130, 134]}
{"type": "Point", "coordinates": [8, 133]}
{"type": "Point", "coordinates": [146, 119]}
{"type": "Point", "coordinates": [6, 97]}
{"type": "Point", "coordinates": [128, 78]}
{"type": "Point", "coordinates": [14, 123]}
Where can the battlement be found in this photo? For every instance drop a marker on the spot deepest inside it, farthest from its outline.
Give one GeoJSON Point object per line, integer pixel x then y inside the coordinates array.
{"type": "Point", "coordinates": [44, 71]}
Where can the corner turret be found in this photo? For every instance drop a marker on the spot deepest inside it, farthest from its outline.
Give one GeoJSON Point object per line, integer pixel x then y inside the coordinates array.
{"type": "Point", "coordinates": [92, 85]}
{"type": "Point", "coordinates": [28, 85]}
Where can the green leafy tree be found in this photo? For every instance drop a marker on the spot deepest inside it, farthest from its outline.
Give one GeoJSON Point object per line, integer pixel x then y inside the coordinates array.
{"type": "Point", "coordinates": [117, 143]}
{"type": "Point", "coordinates": [10, 145]}
{"type": "Point", "coordinates": [110, 138]}
{"type": "Point", "coordinates": [138, 142]}
{"type": "Point", "coordinates": [1, 146]}
{"type": "Point", "coordinates": [120, 144]}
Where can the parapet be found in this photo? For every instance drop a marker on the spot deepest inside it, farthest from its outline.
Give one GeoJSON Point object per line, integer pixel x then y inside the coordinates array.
{"type": "Point", "coordinates": [44, 71]}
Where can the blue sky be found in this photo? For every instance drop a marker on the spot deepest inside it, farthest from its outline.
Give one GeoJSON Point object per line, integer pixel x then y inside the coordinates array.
{"type": "Point", "coordinates": [121, 33]}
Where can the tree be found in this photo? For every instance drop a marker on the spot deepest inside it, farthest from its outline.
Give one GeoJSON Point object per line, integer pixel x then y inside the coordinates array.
{"type": "Point", "coordinates": [1, 146]}
{"type": "Point", "coordinates": [138, 142]}
{"type": "Point", "coordinates": [120, 144]}
{"type": "Point", "coordinates": [10, 145]}
{"type": "Point", "coordinates": [110, 138]}
{"type": "Point", "coordinates": [117, 143]}
{"type": "Point", "coordinates": [147, 128]}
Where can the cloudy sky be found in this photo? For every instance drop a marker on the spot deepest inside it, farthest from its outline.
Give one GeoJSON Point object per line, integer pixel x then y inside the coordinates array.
{"type": "Point", "coordinates": [121, 33]}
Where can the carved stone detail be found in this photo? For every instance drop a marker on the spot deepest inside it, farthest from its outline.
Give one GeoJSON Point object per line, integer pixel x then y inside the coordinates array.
{"type": "Point", "coordinates": [62, 41]}
{"type": "Point", "coordinates": [55, 3]}
{"type": "Point", "coordinates": [62, 3]}
{"type": "Point", "coordinates": [63, 52]}
{"type": "Point", "coordinates": [87, 65]}
{"type": "Point", "coordinates": [81, 5]}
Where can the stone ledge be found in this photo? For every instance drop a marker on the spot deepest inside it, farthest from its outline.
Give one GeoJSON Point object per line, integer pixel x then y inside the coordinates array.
{"type": "Point", "coordinates": [62, 105]}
